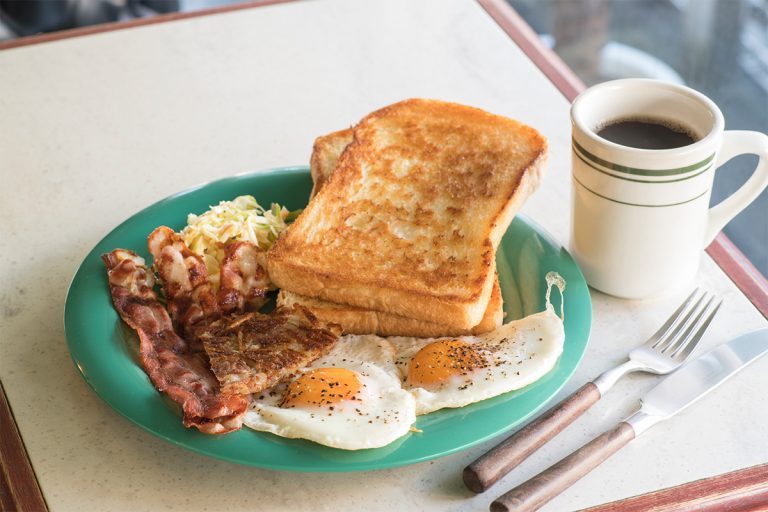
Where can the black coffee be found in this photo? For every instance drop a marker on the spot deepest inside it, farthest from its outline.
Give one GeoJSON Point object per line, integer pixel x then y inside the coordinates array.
{"type": "Point", "coordinates": [647, 135]}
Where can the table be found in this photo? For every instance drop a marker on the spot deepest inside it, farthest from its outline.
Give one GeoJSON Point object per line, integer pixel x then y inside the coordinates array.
{"type": "Point", "coordinates": [95, 127]}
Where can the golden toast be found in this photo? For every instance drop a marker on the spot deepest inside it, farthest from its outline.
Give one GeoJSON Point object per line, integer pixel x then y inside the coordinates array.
{"type": "Point", "coordinates": [325, 155]}
{"type": "Point", "coordinates": [410, 218]}
{"type": "Point", "coordinates": [355, 320]}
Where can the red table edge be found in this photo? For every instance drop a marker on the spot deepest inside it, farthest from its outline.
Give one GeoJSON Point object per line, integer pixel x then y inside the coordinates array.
{"type": "Point", "coordinates": [19, 489]}
{"type": "Point", "coordinates": [738, 486]}
{"type": "Point", "coordinates": [743, 489]}
{"type": "Point", "coordinates": [138, 22]}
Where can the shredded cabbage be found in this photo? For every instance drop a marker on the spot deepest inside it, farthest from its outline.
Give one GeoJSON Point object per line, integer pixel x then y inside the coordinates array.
{"type": "Point", "coordinates": [241, 219]}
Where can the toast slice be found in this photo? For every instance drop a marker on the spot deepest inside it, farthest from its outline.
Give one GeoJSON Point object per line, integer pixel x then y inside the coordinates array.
{"type": "Point", "coordinates": [354, 320]}
{"type": "Point", "coordinates": [326, 152]}
{"type": "Point", "coordinates": [325, 155]}
{"type": "Point", "coordinates": [410, 218]}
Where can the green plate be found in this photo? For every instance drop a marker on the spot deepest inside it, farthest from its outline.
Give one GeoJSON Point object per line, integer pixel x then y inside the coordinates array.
{"type": "Point", "coordinates": [104, 352]}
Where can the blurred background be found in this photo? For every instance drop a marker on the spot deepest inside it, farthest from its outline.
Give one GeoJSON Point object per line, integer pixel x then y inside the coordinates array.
{"type": "Point", "coordinates": [719, 47]}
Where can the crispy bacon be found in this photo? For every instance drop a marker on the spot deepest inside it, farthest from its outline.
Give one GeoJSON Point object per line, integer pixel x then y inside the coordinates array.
{"type": "Point", "coordinates": [173, 367]}
{"type": "Point", "coordinates": [191, 298]}
{"type": "Point", "coordinates": [244, 282]}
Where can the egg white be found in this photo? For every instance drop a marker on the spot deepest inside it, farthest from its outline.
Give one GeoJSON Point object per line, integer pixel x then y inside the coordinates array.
{"type": "Point", "coordinates": [383, 412]}
{"type": "Point", "coordinates": [519, 353]}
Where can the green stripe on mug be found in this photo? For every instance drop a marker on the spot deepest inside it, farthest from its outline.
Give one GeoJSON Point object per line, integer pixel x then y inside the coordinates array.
{"type": "Point", "coordinates": [642, 172]}
{"type": "Point", "coordinates": [637, 204]}
{"type": "Point", "coordinates": [598, 169]}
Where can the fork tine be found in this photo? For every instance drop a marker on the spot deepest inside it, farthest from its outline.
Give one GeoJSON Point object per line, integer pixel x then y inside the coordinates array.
{"type": "Point", "coordinates": [687, 324]}
{"type": "Point", "coordinates": [670, 338]}
{"type": "Point", "coordinates": [682, 353]}
{"type": "Point", "coordinates": [660, 334]}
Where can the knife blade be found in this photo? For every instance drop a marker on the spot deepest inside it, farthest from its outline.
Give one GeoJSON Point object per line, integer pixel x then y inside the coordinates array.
{"type": "Point", "coordinates": [698, 378]}
{"type": "Point", "coordinates": [676, 392]}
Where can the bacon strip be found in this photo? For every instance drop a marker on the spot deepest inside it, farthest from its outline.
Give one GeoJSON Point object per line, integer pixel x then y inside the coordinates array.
{"type": "Point", "coordinates": [191, 298]}
{"type": "Point", "coordinates": [173, 367]}
{"type": "Point", "coordinates": [244, 282]}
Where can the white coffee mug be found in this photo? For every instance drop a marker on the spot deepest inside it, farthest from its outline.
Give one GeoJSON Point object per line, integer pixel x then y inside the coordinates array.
{"type": "Point", "coordinates": [641, 217]}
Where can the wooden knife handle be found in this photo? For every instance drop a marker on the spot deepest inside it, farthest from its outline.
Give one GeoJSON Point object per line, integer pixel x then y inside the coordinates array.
{"type": "Point", "coordinates": [489, 468]}
{"type": "Point", "coordinates": [549, 483]}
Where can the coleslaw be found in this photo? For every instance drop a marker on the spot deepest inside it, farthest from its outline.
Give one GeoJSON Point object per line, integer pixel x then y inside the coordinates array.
{"type": "Point", "coordinates": [241, 219]}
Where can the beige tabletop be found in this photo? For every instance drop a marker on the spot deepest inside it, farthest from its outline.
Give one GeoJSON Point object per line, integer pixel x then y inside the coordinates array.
{"type": "Point", "coordinates": [94, 128]}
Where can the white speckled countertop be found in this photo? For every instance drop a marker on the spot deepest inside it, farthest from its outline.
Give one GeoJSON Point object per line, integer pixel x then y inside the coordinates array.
{"type": "Point", "coordinates": [94, 128]}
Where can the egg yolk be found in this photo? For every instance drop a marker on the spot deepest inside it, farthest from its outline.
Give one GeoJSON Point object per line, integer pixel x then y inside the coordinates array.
{"type": "Point", "coordinates": [441, 361]}
{"type": "Point", "coordinates": [322, 387]}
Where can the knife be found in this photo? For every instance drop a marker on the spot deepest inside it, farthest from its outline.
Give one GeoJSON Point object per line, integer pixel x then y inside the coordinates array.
{"type": "Point", "coordinates": [676, 392]}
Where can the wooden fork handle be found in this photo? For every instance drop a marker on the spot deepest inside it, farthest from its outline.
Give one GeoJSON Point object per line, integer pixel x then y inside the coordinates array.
{"type": "Point", "coordinates": [546, 485]}
{"type": "Point", "coordinates": [489, 468]}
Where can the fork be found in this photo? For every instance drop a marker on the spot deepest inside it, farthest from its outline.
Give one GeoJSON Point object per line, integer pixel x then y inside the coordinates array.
{"type": "Point", "coordinates": [663, 353]}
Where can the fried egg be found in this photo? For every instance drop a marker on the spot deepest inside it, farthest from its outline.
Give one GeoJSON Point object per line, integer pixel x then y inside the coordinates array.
{"type": "Point", "coordinates": [349, 399]}
{"type": "Point", "coordinates": [454, 372]}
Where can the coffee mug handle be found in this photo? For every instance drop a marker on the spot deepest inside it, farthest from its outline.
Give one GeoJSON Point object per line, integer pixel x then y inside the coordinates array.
{"type": "Point", "coordinates": [739, 142]}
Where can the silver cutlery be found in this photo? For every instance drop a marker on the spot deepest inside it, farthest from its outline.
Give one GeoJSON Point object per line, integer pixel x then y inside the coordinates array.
{"type": "Point", "coordinates": [676, 392]}
{"type": "Point", "coordinates": [663, 353]}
